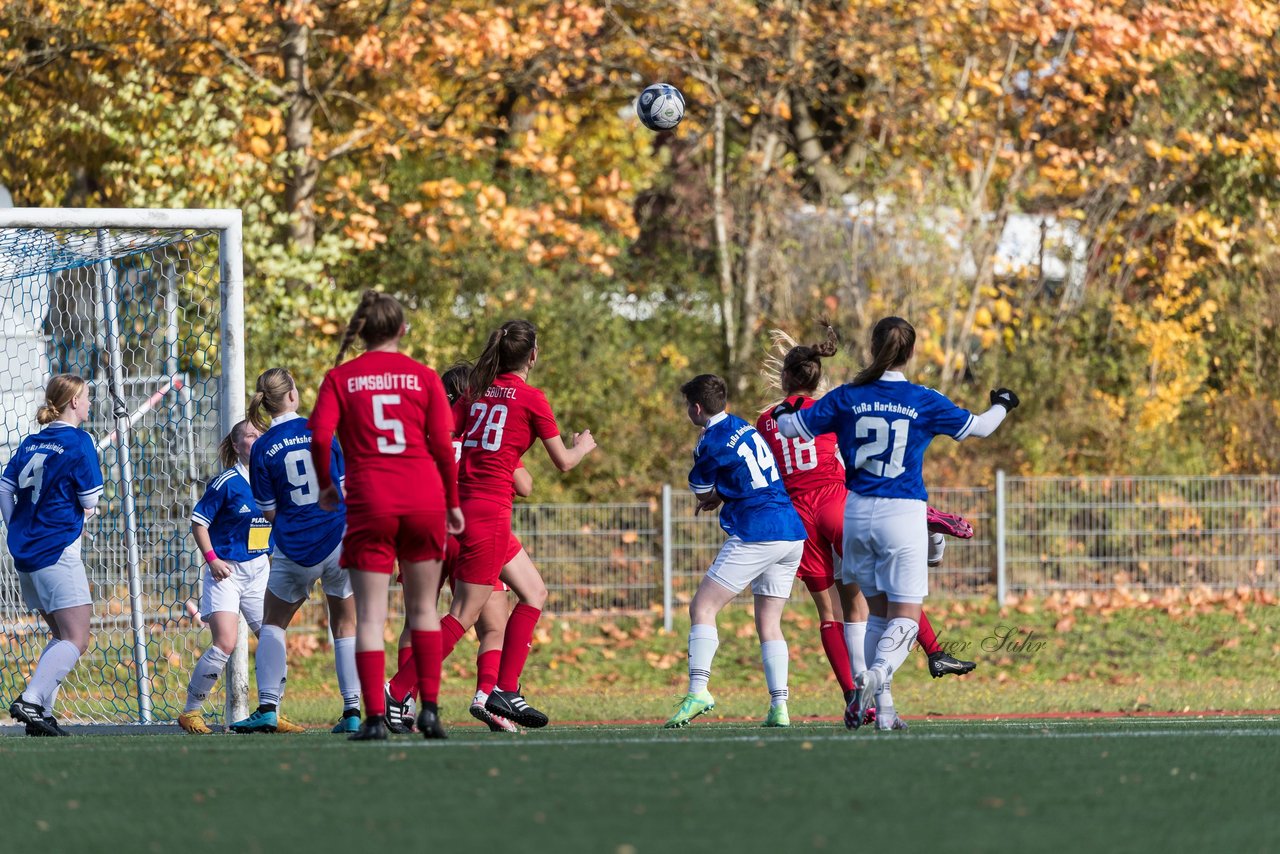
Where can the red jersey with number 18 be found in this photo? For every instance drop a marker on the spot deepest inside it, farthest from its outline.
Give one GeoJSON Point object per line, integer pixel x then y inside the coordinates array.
{"type": "Point", "coordinates": [495, 431]}
{"type": "Point", "coordinates": [805, 465]}
{"type": "Point", "coordinates": [396, 430]}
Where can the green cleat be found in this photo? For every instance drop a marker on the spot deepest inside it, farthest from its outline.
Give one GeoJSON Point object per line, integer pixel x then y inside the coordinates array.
{"type": "Point", "coordinates": [690, 707]}
{"type": "Point", "coordinates": [778, 716]}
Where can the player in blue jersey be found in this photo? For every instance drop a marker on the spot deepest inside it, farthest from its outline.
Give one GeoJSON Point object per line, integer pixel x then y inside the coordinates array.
{"type": "Point", "coordinates": [50, 484]}
{"type": "Point", "coordinates": [883, 424]}
{"type": "Point", "coordinates": [308, 543]}
{"type": "Point", "coordinates": [734, 469]}
{"type": "Point", "coordinates": [235, 539]}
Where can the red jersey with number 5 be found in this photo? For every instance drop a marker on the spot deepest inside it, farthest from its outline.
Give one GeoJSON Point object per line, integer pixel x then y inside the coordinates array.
{"type": "Point", "coordinates": [805, 465]}
{"type": "Point", "coordinates": [495, 431]}
{"type": "Point", "coordinates": [396, 430]}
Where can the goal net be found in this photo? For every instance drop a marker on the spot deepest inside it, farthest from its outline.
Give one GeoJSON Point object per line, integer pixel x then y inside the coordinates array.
{"type": "Point", "coordinates": [146, 306]}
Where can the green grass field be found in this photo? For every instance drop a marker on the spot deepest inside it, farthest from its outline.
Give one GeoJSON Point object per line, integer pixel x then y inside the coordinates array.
{"type": "Point", "coordinates": [1128, 785]}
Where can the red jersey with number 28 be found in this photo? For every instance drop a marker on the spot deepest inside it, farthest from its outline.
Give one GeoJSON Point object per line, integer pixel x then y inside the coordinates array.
{"type": "Point", "coordinates": [805, 465]}
{"type": "Point", "coordinates": [396, 430]}
{"type": "Point", "coordinates": [495, 431]}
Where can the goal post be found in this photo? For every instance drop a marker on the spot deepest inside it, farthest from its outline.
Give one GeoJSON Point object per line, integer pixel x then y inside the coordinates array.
{"type": "Point", "coordinates": [148, 306]}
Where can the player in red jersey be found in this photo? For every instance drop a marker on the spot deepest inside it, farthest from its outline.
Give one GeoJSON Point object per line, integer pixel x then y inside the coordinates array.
{"type": "Point", "coordinates": [490, 625]}
{"type": "Point", "coordinates": [396, 430]}
{"type": "Point", "coordinates": [814, 476]}
{"type": "Point", "coordinates": [498, 421]}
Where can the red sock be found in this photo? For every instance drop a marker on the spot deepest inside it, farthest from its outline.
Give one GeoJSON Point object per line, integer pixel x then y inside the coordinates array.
{"type": "Point", "coordinates": [405, 682]}
{"type": "Point", "coordinates": [487, 670]}
{"type": "Point", "coordinates": [452, 632]}
{"type": "Point", "coordinates": [837, 653]}
{"type": "Point", "coordinates": [926, 638]}
{"type": "Point", "coordinates": [516, 644]}
{"type": "Point", "coordinates": [372, 669]}
{"type": "Point", "coordinates": [426, 654]}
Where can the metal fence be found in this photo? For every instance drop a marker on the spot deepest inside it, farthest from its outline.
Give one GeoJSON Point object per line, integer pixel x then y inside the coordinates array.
{"type": "Point", "coordinates": [1033, 536]}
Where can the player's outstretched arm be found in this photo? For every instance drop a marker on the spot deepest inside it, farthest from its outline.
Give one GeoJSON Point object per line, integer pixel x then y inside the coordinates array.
{"type": "Point", "coordinates": [1003, 401]}
{"type": "Point", "coordinates": [564, 458]}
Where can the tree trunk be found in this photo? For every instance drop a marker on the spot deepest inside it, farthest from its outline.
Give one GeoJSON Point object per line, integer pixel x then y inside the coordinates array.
{"type": "Point", "coordinates": [304, 168]}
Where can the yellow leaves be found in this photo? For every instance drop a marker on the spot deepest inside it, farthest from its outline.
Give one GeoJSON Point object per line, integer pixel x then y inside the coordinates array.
{"type": "Point", "coordinates": [260, 147]}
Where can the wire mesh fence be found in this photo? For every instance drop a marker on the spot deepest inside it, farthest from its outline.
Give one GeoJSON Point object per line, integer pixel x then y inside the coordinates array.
{"type": "Point", "coordinates": [1092, 533]}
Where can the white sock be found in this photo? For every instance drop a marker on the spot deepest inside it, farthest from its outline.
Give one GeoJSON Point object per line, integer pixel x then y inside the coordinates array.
{"type": "Point", "coordinates": [703, 643]}
{"type": "Point", "coordinates": [55, 663]}
{"type": "Point", "coordinates": [898, 639]}
{"type": "Point", "coordinates": [480, 698]}
{"type": "Point", "coordinates": [870, 643]}
{"type": "Point", "coordinates": [855, 638]}
{"type": "Point", "coordinates": [204, 677]}
{"type": "Point", "coordinates": [273, 666]}
{"type": "Point", "coordinates": [884, 698]}
{"type": "Point", "coordinates": [775, 658]}
{"type": "Point", "coordinates": [344, 661]}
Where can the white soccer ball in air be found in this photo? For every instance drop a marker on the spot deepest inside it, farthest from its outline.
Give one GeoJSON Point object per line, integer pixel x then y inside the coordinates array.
{"type": "Point", "coordinates": [660, 106]}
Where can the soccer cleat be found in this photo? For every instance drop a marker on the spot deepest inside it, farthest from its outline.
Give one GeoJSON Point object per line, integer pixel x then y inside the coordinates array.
{"type": "Point", "coordinates": [193, 722]}
{"type": "Point", "coordinates": [867, 684]}
{"type": "Point", "coordinates": [33, 716]}
{"type": "Point", "coordinates": [496, 723]}
{"type": "Point", "coordinates": [429, 722]}
{"type": "Point", "coordinates": [285, 725]}
{"type": "Point", "coordinates": [778, 716]}
{"type": "Point", "coordinates": [510, 705]}
{"type": "Point", "coordinates": [891, 723]}
{"type": "Point", "coordinates": [691, 706]}
{"type": "Point", "coordinates": [941, 664]}
{"type": "Point", "coordinates": [349, 722]}
{"type": "Point", "coordinates": [258, 721]}
{"type": "Point", "coordinates": [399, 715]}
{"type": "Point", "coordinates": [952, 524]}
{"type": "Point", "coordinates": [374, 728]}
{"type": "Point", "coordinates": [51, 722]}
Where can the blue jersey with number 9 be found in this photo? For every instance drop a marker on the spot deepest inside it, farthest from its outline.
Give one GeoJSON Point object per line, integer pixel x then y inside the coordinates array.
{"type": "Point", "coordinates": [883, 429]}
{"type": "Point", "coordinates": [734, 460]}
{"type": "Point", "coordinates": [284, 480]}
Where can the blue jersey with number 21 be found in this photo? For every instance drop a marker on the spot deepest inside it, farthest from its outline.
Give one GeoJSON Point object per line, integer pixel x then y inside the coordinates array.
{"type": "Point", "coordinates": [284, 480]}
{"type": "Point", "coordinates": [733, 459]}
{"type": "Point", "coordinates": [883, 429]}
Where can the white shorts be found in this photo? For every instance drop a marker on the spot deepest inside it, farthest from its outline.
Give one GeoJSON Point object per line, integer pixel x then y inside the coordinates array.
{"type": "Point", "coordinates": [886, 545]}
{"type": "Point", "coordinates": [768, 567]}
{"type": "Point", "coordinates": [62, 584]}
{"type": "Point", "coordinates": [290, 581]}
{"type": "Point", "coordinates": [242, 591]}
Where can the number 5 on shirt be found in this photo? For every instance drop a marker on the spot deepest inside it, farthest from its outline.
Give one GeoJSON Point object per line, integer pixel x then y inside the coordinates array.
{"type": "Point", "coordinates": [396, 445]}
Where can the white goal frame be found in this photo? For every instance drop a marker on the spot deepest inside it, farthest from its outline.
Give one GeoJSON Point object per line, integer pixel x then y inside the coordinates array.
{"type": "Point", "coordinates": [228, 223]}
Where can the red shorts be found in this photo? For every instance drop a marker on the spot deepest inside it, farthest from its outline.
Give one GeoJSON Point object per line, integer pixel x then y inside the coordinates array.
{"type": "Point", "coordinates": [485, 543]}
{"type": "Point", "coordinates": [822, 511]}
{"type": "Point", "coordinates": [513, 549]}
{"type": "Point", "coordinates": [374, 543]}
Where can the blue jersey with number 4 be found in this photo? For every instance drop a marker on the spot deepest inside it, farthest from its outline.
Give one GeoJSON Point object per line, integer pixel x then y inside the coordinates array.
{"type": "Point", "coordinates": [733, 459]}
{"type": "Point", "coordinates": [50, 472]}
{"type": "Point", "coordinates": [883, 429]}
{"type": "Point", "coordinates": [237, 530]}
{"type": "Point", "coordinates": [284, 480]}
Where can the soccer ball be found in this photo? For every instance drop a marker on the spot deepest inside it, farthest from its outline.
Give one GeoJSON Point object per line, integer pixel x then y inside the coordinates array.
{"type": "Point", "coordinates": [660, 106]}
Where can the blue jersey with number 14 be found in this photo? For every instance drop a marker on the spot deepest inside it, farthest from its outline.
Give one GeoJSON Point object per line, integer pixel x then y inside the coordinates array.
{"type": "Point", "coordinates": [284, 480]}
{"type": "Point", "coordinates": [883, 429]}
{"type": "Point", "coordinates": [733, 459]}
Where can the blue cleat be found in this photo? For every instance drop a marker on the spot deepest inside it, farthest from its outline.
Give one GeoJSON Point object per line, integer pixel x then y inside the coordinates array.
{"type": "Point", "coordinates": [259, 721]}
{"type": "Point", "coordinates": [348, 723]}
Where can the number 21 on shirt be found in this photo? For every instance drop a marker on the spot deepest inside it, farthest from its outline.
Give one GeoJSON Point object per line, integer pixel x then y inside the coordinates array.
{"type": "Point", "coordinates": [759, 462]}
{"type": "Point", "coordinates": [880, 431]}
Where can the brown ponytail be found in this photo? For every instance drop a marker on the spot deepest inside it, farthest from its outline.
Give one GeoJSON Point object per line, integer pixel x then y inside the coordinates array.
{"type": "Point", "coordinates": [802, 366]}
{"type": "Point", "coordinates": [378, 318]}
{"type": "Point", "coordinates": [58, 395]}
{"type": "Point", "coordinates": [457, 381]}
{"type": "Point", "coordinates": [893, 340]}
{"type": "Point", "coordinates": [227, 455]}
{"type": "Point", "coordinates": [508, 349]}
{"type": "Point", "coordinates": [274, 385]}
